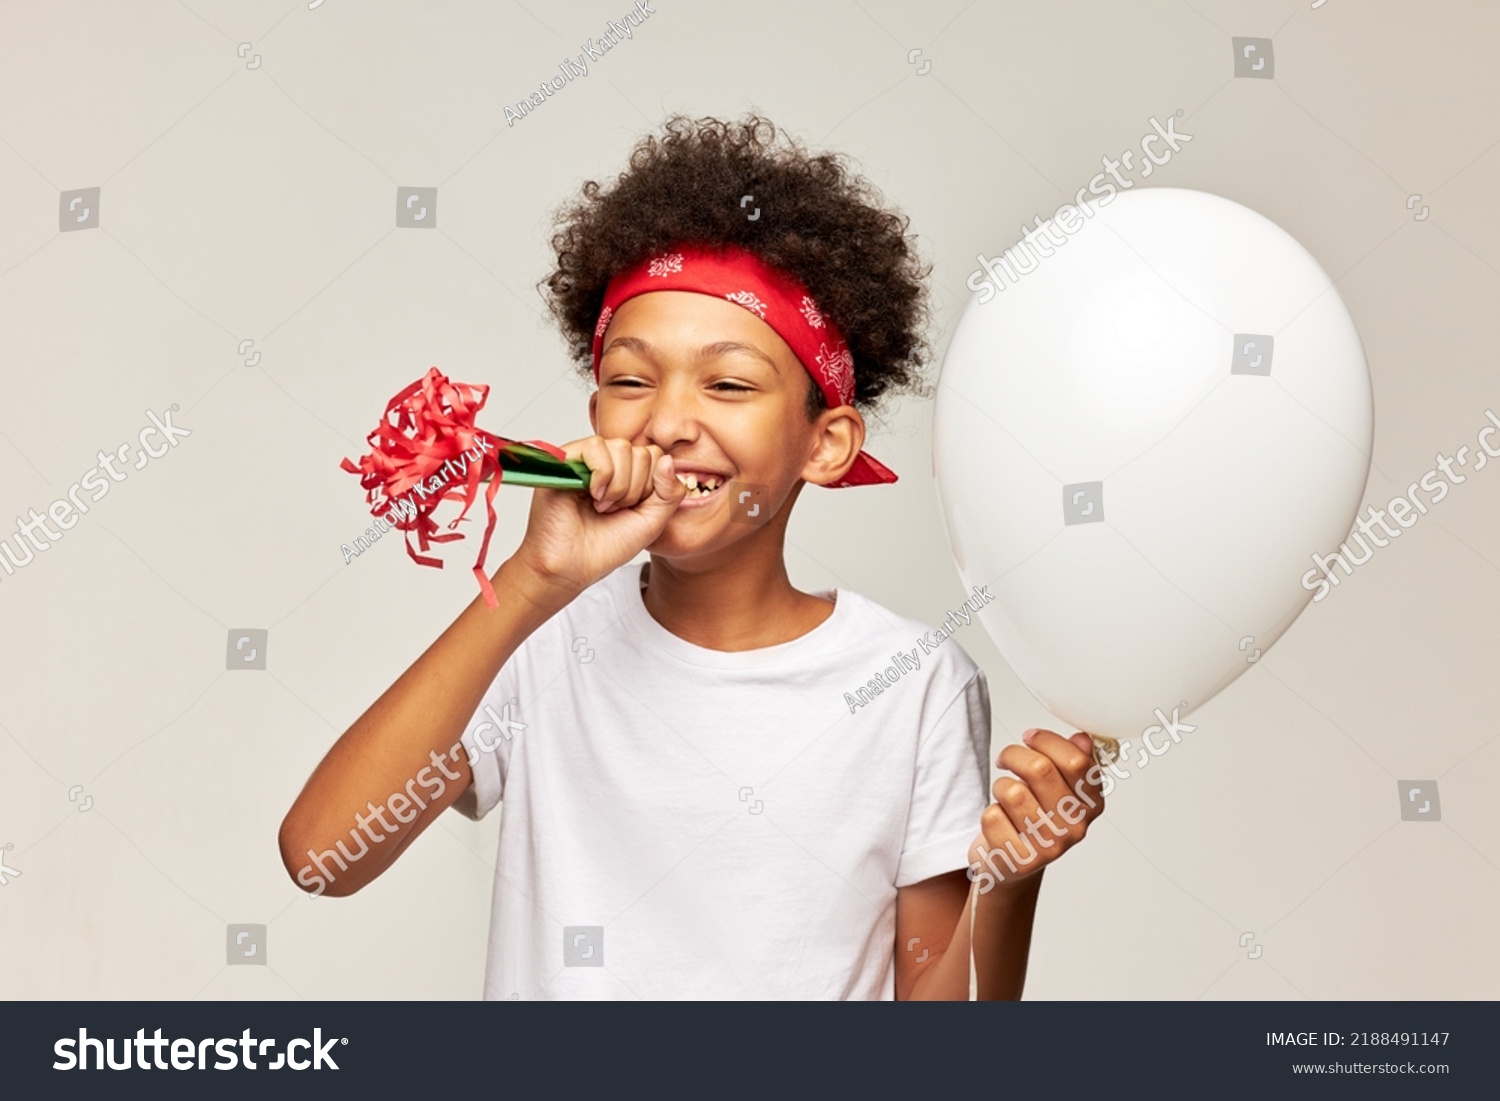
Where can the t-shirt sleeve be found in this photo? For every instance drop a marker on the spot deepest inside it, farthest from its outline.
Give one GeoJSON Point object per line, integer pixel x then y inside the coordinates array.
{"type": "Point", "coordinates": [488, 740]}
{"type": "Point", "coordinates": [951, 786]}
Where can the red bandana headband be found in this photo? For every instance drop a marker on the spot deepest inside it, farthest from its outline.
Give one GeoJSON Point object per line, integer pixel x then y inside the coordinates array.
{"type": "Point", "coordinates": [772, 295]}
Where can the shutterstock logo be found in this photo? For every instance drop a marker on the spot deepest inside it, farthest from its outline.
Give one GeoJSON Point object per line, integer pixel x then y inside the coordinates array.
{"type": "Point", "coordinates": [186, 1054]}
{"type": "Point", "coordinates": [1405, 510]}
{"type": "Point", "coordinates": [433, 780]}
{"type": "Point", "coordinates": [1040, 242]}
{"type": "Point", "coordinates": [63, 512]}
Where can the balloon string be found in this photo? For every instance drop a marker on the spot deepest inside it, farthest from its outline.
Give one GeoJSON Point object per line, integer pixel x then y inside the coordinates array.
{"type": "Point", "coordinates": [973, 969]}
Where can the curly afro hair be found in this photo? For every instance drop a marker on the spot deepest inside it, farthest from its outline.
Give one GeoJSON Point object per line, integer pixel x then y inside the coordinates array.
{"type": "Point", "coordinates": [818, 221]}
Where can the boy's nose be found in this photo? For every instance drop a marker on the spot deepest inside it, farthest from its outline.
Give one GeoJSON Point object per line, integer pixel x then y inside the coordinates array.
{"type": "Point", "coordinates": [673, 418]}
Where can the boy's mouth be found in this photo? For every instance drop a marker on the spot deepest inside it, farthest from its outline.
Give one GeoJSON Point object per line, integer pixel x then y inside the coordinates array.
{"type": "Point", "coordinates": [700, 486]}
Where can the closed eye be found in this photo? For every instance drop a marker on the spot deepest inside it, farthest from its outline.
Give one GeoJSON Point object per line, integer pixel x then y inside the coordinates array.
{"type": "Point", "coordinates": [723, 387]}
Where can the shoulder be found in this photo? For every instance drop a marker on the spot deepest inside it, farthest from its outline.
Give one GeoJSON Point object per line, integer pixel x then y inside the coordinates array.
{"type": "Point", "coordinates": [922, 680]}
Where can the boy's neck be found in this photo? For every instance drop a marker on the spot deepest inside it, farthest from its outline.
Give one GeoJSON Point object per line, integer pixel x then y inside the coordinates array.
{"type": "Point", "coordinates": [747, 604]}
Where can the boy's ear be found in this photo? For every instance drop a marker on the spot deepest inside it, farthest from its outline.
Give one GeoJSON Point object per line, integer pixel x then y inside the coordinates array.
{"type": "Point", "coordinates": [594, 411]}
{"type": "Point", "coordinates": [841, 433]}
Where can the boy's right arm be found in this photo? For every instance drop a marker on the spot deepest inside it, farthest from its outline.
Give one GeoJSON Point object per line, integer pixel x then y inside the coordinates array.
{"type": "Point", "coordinates": [572, 540]}
{"type": "Point", "coordinates": [412, 726]}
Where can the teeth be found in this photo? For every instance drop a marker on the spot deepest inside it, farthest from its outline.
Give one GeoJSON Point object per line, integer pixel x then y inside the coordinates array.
{"type": "Point", "coordinates": [700, 487]}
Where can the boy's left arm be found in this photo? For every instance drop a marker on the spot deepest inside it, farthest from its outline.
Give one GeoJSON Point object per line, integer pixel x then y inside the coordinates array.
{"type": "Point", "coordinates": [1033, 821]}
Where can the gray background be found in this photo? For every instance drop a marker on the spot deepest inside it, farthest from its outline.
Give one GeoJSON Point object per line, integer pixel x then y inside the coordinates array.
{"type": "Point", "coordinates": [242, 203]}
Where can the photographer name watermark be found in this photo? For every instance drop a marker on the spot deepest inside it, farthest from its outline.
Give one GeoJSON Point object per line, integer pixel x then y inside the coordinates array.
{"type": "Point", "coordinates": [907, 661]}
{"type": "Point", "coordinates": [405, 506]}
{"type": "Point", "coordinates": [591, 50]}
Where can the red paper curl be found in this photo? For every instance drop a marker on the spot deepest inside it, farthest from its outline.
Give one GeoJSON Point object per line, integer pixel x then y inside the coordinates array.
{"type": "Point", "coordinates": [423, 436]}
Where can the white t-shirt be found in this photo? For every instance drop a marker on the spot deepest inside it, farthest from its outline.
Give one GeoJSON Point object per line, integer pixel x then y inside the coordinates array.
{"type": "Point", "coordinates": [689, 823]}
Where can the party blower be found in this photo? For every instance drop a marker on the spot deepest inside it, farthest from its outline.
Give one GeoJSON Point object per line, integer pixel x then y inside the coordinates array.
{"type": "Point", "coordinates": [427, 450]}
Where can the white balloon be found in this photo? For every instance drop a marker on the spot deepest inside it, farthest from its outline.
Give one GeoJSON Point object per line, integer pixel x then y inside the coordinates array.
{"type": "Point", "coordinates": [1117, 361]}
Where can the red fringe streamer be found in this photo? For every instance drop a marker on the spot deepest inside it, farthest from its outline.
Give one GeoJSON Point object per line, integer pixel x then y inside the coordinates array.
{"type": "Point", "coordinates": [427, 426]}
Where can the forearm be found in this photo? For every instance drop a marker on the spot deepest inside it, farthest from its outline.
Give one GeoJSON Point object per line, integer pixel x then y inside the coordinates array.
{"type": "Point", "coordinates": [1002, 937]}
{"type": "Point", "coordinates": [1055, 780]}
{"type": "Point", "coordinates": [411, 728]}
{"type": "Point", "coordinates": [1001, 946]}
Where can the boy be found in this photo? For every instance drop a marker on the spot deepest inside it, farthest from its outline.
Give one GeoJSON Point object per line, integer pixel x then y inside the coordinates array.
{"type": "Point", "coordinates": [707, 794]}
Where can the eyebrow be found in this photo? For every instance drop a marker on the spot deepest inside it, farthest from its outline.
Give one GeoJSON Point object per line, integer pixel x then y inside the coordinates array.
{"type": "Point", "coordinates": [708, 351]}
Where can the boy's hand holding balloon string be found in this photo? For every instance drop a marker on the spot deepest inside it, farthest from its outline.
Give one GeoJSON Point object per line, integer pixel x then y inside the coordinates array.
{"type": "Point", "coordinates": [427, 450]}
